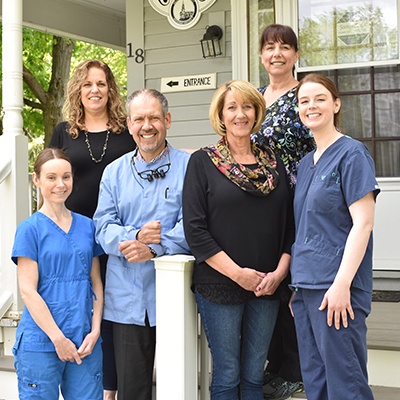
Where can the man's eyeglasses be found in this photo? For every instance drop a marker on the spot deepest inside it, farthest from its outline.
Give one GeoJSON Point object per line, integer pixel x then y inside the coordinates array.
{"type": "Point", "coordinates": [151, 174]}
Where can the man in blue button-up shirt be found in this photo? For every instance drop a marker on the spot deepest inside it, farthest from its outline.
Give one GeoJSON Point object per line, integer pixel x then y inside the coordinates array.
{"type": "Point", "coordinates": [139, 217]}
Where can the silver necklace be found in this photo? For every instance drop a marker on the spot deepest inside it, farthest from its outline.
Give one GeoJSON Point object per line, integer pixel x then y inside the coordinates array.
{"type": "Point", "coordinates": [90, 148]}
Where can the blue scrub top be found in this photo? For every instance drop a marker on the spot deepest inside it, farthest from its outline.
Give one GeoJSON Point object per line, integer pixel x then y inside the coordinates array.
{"type": "Point", "coordinates": [344, 174]}
{"type": "Point", "coordinates": [64, 265]}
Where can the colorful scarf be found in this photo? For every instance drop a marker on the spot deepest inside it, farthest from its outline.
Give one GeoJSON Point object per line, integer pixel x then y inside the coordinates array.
{"type": "Point", "coordinates": [259, 181]}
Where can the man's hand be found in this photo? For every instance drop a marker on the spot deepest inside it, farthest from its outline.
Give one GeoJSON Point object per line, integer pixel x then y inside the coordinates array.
{"type": "Point", "coordinates": [135, 251]}
{"type": "Point", "coordinates": [150, 233]}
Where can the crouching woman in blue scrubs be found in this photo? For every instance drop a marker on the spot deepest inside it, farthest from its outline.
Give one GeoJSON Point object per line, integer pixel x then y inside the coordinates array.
{"type": "Point", "coordinates": [57, 342]}
{"type": "Point", "coordinates": [331, 264]}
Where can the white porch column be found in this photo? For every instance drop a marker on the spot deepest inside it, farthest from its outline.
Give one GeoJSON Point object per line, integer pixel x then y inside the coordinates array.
{"type": "Point", "coordinates": [135, 62]}
{"type": "Point", "coordinates": [239, 39]}
{"type": "Point", "coordinates": [176, 354]}
{"type": "Point", "coordinates": [13, 166]}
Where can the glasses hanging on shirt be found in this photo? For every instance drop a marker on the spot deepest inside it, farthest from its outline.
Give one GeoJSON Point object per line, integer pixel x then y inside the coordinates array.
{"type": "Point", "coordinates": [151, 174]}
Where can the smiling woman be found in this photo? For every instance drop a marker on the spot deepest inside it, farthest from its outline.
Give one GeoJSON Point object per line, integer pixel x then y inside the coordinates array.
{"type": "Point", "coordinates": [319, 111]}
{"type": "Point", "coordinates": [283, 131]}
{"type": "Point", "coordinates": [331, 264]}
{"type": "Point", "coordinates": [54, 181]}
{"type": "Point", "coordinates": [93, 136]}
{"type": "Point", "coordinates": [60, 325]}
{"type": "Point", "coordinates": [237, 292]}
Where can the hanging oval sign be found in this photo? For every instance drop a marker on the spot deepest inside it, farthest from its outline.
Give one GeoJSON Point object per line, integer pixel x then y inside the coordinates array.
{"type": "Point", "coordinates": [181, 14]}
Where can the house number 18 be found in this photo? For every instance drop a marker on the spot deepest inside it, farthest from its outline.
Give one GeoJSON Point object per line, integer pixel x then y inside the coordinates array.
{"type": "Point", "coordinates": [138, 55]}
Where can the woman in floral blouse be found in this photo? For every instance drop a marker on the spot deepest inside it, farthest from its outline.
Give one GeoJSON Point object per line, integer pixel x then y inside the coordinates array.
{"type": "Point", "coordinates": [283, 131]}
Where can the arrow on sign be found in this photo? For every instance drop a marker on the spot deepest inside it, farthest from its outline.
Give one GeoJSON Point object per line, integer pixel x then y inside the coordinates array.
{"type": "Point", "coordinates": [173, 83]}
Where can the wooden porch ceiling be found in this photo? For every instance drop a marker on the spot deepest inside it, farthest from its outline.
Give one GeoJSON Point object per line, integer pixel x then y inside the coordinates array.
{"type": "Point", "coordinates": [95, 21]}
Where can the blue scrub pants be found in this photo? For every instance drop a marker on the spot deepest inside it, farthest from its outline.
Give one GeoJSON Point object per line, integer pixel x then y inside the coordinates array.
{"type": "Point", "coordinates": [42, 374]}
{"type": "Point", "coordinates": [333, 362]}
{"type": "Point", "coordinates": [238, 337]}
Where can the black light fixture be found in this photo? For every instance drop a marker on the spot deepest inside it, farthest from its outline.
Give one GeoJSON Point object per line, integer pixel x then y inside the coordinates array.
{"type": "Point", "coordinates": [210, 45]}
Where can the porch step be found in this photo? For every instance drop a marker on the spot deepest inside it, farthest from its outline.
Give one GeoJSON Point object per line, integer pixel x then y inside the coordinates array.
{"type": "Point", "coordinates": [380, 393]}
{"type": "Point", "coordinates": [384, 325]}
{"type": "Point", "coordinates": [8, 386]}
{"type": "Point", "coordinates": [8, 379]}
{"type": "Point", "coordinates": [386, 281]}
{"type": "Point", "coordinates": [7, 363]}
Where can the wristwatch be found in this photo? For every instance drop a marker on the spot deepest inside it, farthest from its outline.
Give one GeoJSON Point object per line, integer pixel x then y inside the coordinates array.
{"type": "Point", "coordinates": [152, 251]}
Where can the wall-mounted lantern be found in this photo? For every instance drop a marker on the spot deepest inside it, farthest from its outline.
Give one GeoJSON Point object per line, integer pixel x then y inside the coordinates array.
{"type": "Point", "coordinates": [210, 45]}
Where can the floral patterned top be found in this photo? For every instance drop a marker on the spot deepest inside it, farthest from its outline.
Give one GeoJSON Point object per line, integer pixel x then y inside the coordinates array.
{"type": "Point", "coordinates": [283, 131]}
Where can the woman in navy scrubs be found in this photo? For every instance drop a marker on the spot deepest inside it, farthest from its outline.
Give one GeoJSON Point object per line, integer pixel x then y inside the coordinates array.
{"type": "Point", "coordinates": [331, 263]}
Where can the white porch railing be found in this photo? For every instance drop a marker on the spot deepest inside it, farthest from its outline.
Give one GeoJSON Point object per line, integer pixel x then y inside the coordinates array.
{"type": "Point", "coordinates": [182, 359]}
{"type": "Point", "coordinates": [6, 298]}
{"type": "Point", "coordinates": [5, 169]}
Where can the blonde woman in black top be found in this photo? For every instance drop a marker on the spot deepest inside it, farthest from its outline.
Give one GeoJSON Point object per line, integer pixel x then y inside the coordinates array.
{"type": "Point", "coordinates": [238, 220]}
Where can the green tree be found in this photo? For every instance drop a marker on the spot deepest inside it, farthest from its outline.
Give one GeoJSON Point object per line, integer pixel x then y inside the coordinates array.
{"type": "Point", "coordinates": [46, 71]}
{"type": "Point", "coordinates": [47, 64]}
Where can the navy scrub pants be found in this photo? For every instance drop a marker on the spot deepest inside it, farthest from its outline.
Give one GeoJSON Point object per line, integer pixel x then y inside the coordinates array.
{"type": "Point", "coordinates": [333, 362]}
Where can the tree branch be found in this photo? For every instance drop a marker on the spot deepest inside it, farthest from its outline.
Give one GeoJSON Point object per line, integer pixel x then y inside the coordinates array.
{"type": "Point", "coordinates": [34, 104]}
{"type": "Point", "coordinates": [34, 85]}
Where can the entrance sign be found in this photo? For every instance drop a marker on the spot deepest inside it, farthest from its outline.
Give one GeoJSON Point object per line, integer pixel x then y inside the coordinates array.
{"type": "Point", "coordinates": [188, 83]}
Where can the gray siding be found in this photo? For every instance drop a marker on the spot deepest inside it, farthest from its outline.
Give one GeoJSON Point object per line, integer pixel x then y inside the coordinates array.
{"type": "Point", "coordinates": [172, 52]}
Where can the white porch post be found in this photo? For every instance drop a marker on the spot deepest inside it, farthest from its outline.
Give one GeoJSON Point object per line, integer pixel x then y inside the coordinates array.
{"type": "Point", "coordinates": [13, 167]}
{"type": "Point", "coordinates": [239, 39]}
{"type": "Point", "coordinates": [176, 354]}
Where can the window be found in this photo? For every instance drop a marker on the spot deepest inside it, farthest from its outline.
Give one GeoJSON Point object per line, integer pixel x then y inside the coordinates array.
{"type": "Point", "coordinates": [356, 44]}
{"type": "Point", "coordinates": [261, 14]}
{"type": "Point", "coordinates": [343, 32]}
{"type": "Point", "coordinates": [370, 102]}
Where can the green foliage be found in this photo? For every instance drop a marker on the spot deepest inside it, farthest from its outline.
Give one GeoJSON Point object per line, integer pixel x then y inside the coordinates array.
{"type": "Point", "coordinates": [37, 57]}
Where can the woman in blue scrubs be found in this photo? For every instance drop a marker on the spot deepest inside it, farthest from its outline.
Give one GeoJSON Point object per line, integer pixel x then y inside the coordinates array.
{"type": "Point", "coordinates": [331, 263]}
{"type": "Point", "coordinates": [57, 344]}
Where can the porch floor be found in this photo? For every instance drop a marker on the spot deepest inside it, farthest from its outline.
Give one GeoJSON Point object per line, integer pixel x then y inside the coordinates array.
{"type": "Point", "coordinates": [380, 393]}
{"type": "Point", "coordinates": [384, 326]}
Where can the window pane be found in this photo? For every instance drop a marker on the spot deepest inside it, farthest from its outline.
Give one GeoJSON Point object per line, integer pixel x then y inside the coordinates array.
{"type": "Point", "coordinates": [387, 160]}
{"type": "Point", "coordinates": [387, 115]}
{"type": "Point", "coordinates": [387, 77]}
{"type": "Point", "coordinates": [261, 14]}
{"type": "Point", "coordinates": [368, 145]}
{"type": "Point", "coordinates": [356, 116]}
{"type": "Point", "coordinates": [329, 74]}
{"type": "Point", "coordinates": [356, 79]}
{"type": "Point", "coordinates": [347, 31]}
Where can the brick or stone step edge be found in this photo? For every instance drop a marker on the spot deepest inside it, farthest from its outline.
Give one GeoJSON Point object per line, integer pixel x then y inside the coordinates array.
{"type": "Point", "coordinates": [7, 364]}
{"type": "Point", "coordinates": [388, 296]}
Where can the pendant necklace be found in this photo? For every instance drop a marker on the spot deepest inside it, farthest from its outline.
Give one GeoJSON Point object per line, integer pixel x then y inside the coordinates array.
{"type": "Point", "coordinates": [90, 148]}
